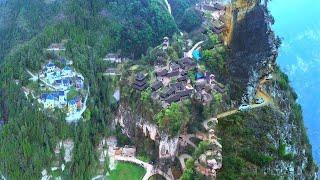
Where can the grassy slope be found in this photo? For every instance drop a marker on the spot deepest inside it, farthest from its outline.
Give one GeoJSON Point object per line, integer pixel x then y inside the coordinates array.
{"type": "Point", "coordinates": [125, 171]}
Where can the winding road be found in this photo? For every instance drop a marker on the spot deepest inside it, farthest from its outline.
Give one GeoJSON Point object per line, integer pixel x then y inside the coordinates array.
{"type": "Point", "coordinates": [260, 94]}
{"type": "Point", "coordinates": [168, 6]}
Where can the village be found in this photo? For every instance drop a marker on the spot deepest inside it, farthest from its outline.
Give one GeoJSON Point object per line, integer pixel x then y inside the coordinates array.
{"type": "Point", "coordinates": [60, 86]}
{"type": "Point", "coordinates": [169, 81]}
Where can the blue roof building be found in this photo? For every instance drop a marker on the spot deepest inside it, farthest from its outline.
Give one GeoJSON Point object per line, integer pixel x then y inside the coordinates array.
{"type": "Point", "coordinates": [72, 102]}
{"type": "Point", "coordinates": [199, 75]}
{"type": "Point", "coordinates": [66, 82]}
{"type": "Point", "coordinates": [58, 81]}
{"type": "Point", "coordinates": [43, 96]}
{"type": "Point", "coordinates": [67, 68]}
{"type": "Point", "coordinates": [61, 93]}
{"type": "Point", "coordinates": [50, 97]}
{"type": "Point", "coordinates": [50, 64]}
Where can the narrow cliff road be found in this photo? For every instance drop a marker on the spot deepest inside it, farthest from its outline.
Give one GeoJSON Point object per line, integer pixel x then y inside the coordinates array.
{"type": "Point", "coordinates": [260, 94]}
{"type": "Point", "coordinates": [168, 6]}
{"type": "Point", "coordinates": [227, 113]}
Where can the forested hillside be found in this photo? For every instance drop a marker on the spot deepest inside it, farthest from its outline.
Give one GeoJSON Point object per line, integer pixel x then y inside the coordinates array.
{"type": "Point", "coordinates": [91, 28]}
{"type": "Point", "coordinates": [22, 20]}
{"type": "Point", "coordinates": [186, 16]}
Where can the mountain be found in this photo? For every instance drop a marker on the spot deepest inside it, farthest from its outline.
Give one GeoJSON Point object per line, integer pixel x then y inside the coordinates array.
{"type": "Point", "coordinates": [207, 103]}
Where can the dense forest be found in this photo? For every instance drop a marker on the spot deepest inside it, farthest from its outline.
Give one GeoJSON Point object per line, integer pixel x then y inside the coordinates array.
{"type": "Point", "coordinates": [92, 29]}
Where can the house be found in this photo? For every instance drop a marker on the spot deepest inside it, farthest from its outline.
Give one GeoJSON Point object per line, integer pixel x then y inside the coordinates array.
{"type": "Point", "coordinates": [182, 79]}
{"type": "Point", "coordinates": [165, 43]}
{"type": "Point", "coordinates": [48, 100]}
{"type": "Point", "coordinates": [56, 47]}
{"type": "Point", "coordinates": [62, 97]}
{"type": "Point", "coordinates": [183, 73]}
{"type": "Point", "coordinates": [185, 93]}
{"type": "Point", "coordinates": [173, 98]}
{"type": "Point", "coordinates": [56, 75]}
{"type": "Point", "coordinates": [157, 85]}
{"type": "Point", "coordinates": [174, 67]}
{"type": "Point", "coordinates": [177, 86]}
{"type": "Point", "coordinates": [218, 26]}
{"type": "Point", "coordinates": [200, 84]}
{"type": "Point", "coordinates": [162, 73]}
{"type": "Point", "coordinates": [168, 92]}
{"type": "Point", "coordinates": [113, 57]}
{"type": "Point", "coordinates": [66, 83]}
{"type": "Point", "coordinates": [58, 82]}
{"type": "Point", "coordinates": [173, 73]}
{"type": "Point", "coordinates": [140, 82]}
{"type": "Point", "coordinates": [129, 151]}
{"type": "Point", "coordinates": [72, 106]}
{"type": "Point", "coordinates": [207, 7]}
{"type": "Point", "coordinates": [219, 7]}
{"type": "Point", "coordinates": [187, 63]}
{"type": "Point", "coordinates": [112, 72]}
{"type": "Point", "coordinates": [50, 67]}
{"type": "Point", "coordinates": [79, 83]}
{"type": "Point", "coordinates": [67, 71]}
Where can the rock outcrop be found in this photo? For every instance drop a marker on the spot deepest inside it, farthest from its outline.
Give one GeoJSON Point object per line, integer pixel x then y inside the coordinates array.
{"type": "Point", "coordinates": [252, 48]}
{"type": "Point", "coordinates": [132, 124]}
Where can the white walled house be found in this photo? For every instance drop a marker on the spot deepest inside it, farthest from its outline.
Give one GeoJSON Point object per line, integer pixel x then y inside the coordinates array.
{"type": "Point", "coordinates": [112, 57]}
{"type": "Point", "coordinates": [67, 72]}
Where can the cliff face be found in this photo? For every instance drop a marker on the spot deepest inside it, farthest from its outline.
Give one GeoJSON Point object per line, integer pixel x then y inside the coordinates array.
{"type": "Point", "coordinates": [251, 48]}
{"type": "Point", "coordinates": [133, 125]}
{"type": "Point", "coordinates": [286, 152]}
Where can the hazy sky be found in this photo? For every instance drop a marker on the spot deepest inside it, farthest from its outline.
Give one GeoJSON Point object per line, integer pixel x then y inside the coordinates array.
{"type": "Point", "coordinates": [298, 23]}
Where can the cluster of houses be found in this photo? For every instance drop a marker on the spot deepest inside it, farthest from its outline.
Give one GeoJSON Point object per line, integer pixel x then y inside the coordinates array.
{"type": "Point", "coordinates": [217, 11]}
{"type": "Point", "coordinates": [173, 84]}
{"type": "Point", "coordinates": [211, 160]}
{"type": "Point", "coordinates": [60, 83]}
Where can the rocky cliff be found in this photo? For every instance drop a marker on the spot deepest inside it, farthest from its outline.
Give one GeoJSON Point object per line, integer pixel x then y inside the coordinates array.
{"type": "Point", "coordinates": [133, 125]}
{"type": "Point", "coordinates": [285, 151]}
{"type": "Point", "coordinates": [252, 45]}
